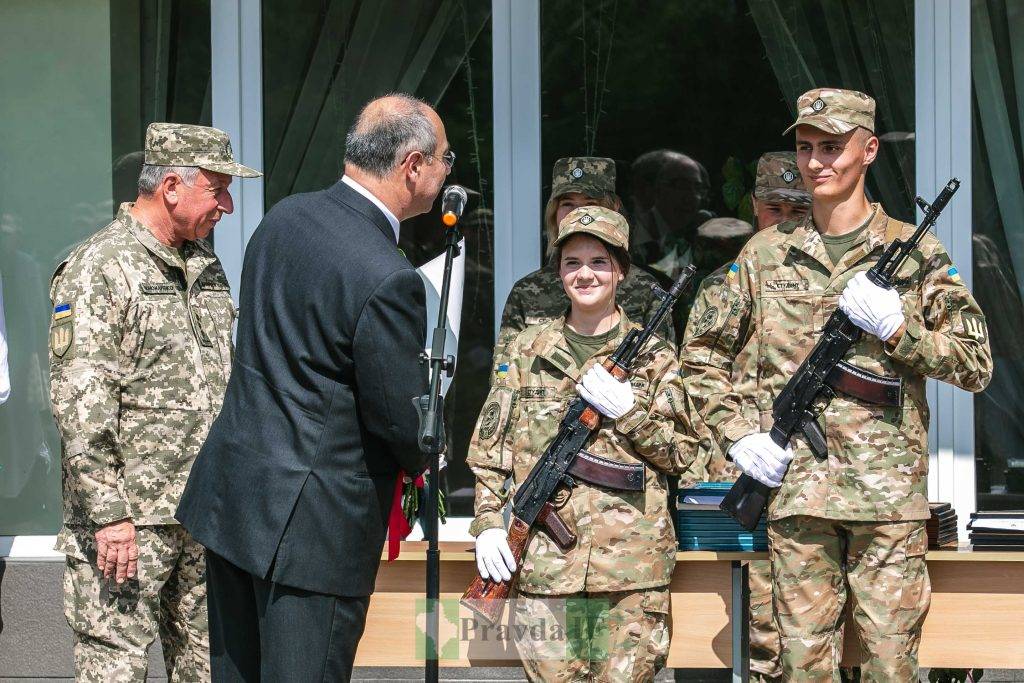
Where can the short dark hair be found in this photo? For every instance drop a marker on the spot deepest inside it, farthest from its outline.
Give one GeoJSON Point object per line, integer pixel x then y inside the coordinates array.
{"type": "Point", "coordinates": [381, 137]}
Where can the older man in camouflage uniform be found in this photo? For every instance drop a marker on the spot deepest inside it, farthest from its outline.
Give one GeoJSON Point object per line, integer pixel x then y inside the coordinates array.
{"type": "Point", "coordinates": [140, 352]}
{"type": "Point", "coordinates": [778, 195]}
{"type": "Point", "coordinates": [856, 518]}
{"type": "Point", "coordinates": [626, 547]}
{"type": "Point", "coordinates": [539, 297]}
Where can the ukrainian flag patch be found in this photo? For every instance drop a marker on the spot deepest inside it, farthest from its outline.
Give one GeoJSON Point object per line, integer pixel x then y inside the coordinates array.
{"type": "Point", "coordinates": [953, 273]}
{"type": "Point", "coordinates": [502, 371]}
{"type": "Point", "coordinates": [733, 269]}
{"type": "Point", "coordinates": [61, 311]}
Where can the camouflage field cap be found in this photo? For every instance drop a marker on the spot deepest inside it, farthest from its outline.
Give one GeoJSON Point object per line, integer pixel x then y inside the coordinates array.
{"type": "Point", "coordinates": [605, 224]}
{"type": "Point", "coordinates": [180, 144]}
{"type": "Point", "coordinates": [778, 179]}
{"type": "Point", "coordinates": [592, 176]}
{"type": "Point", "coordinates": [834, 110]}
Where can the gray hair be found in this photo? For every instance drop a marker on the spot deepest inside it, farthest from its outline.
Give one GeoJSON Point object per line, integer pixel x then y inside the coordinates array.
{"type": "Point", "coordinates": [151, 176]}
{"type": "Point", "coordinates": [384, 133]}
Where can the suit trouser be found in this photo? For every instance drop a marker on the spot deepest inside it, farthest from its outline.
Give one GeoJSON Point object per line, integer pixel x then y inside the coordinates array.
{"type": "Point", "coordinates": [882, 564]}
{"type": "Point", "coordinates": [265, 631]}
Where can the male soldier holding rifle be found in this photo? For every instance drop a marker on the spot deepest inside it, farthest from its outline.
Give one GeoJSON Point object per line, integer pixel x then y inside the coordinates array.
{"type": "Point", "coordinates": [857, 516]}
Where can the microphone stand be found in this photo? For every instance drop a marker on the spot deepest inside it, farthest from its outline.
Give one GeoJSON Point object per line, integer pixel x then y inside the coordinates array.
{"type": "Point", "coordinates": [432, 442]}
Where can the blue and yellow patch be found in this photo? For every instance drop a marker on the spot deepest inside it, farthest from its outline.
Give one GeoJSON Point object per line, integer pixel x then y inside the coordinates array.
{"type": "Point", "coordinates": [61, 311]}
{"type": "Point", "coordinates": [502, 371]}
{"type": "Point", "coordinates": [733, 269]}
{"type": "Point", "coordinates": [954, 274]}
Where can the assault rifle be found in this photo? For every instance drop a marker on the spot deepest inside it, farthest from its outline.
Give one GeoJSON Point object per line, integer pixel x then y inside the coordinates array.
{"type": "Point", "coordinates": [564, 461]}
{"type": "Point", "coordinates": [823, 372]}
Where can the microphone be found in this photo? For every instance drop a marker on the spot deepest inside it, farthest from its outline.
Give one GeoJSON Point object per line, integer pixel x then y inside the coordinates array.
{"type": "Point", "coordinates": [453, 203]}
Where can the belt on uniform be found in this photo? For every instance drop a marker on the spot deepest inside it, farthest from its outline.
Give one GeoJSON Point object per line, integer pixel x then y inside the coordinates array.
{"type": "Point", "coordinates": [621, 476]}
{"type": "Point", "coordinates": [867, 386]}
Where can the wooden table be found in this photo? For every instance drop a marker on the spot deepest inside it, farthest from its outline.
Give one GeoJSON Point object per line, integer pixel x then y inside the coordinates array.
{"type": "Point", "coordinates": [975, 618]}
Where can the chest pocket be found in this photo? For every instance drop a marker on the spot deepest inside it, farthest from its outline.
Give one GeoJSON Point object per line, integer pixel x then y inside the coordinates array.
{"type": "Point", "coordinates": [541, 409]}
{"type": "Point", "coordinates": [216, 312]}
{"type": "Point", "coordinates": [162, 324]}
{"type": "Point", "coordinates": [790, 321]}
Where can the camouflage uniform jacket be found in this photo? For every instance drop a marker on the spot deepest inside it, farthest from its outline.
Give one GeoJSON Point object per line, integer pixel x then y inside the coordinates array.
{"type": "Point", "coordinates": [539, 297]}
{"type": "Point", "coordinates": [140, 353]}
{"type": "Point", "coordinates": [778, 295]}
{"type": "Point", "coordinates": [626, 539]}
{"type": "Point", "coordinates": [710, 463]}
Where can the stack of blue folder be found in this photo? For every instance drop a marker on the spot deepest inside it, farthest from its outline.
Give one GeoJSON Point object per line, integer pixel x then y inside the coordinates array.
{"type": "Point", "coordinates": [701, 525]}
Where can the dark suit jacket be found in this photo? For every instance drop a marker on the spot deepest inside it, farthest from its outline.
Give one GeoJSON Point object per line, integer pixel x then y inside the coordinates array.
{"type": "Point", "coordinates": [295, 480]}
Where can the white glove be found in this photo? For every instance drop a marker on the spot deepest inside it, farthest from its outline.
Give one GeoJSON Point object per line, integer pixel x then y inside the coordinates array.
{"type": "Point", "coordinates": [609, 396]}
{"type": "Point", "coordinates": [874, 309]}
{"type": "Point", "coordinates": [761, 458]}
{"type": "Point", "coordinates": [494, 559]}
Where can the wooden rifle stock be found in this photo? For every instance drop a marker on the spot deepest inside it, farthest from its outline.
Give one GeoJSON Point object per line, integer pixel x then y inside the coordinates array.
{"type": "Point", "coordinates": [487, 598]}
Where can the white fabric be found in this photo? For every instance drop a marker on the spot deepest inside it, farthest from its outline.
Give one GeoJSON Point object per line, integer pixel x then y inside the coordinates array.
{"type": "Point", "coordinates": [432, 274]}
{"type": "Point", "coordinates": [5, 375]}
{"type": "Point", "coordinates": [874, 309]}
{"type": "Point", "coordinates": [392, 218]}
{"type": "Point", "coordinates": [609, 396]}
{"type": "Point", "coordinates": [494, 559]}
{"type": "Point", "coordinates": [761, 458]}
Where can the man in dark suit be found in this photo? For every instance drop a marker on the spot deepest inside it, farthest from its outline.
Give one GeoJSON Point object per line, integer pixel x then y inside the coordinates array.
{"type": "Point", "coordinates": [291, 492]}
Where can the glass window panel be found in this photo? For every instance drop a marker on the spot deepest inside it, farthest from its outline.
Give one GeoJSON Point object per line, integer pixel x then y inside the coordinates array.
{"type": "Point", "coordinates": [322, 60]}
{"type": "Point", "coordinates": [80, 81]}
{"type": "Point", "coordinates": [997, 70]}
{"type": "Point", "coordinates": [718, 81]}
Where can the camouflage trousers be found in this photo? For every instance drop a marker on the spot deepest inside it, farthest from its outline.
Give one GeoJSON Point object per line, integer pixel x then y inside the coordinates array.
{"type": "Point", "coordinates": [765, 647]}
{"type": "Point", "coordinates": [115, 625]}
{"type": "Point", "coordinates": [620, 636]}
{"type": "Point", "coordinates": [817, 562]}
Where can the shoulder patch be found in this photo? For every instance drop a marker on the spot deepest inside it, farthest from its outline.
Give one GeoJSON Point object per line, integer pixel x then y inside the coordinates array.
{"type": "Point", "coordinates": [974, 326]}
{"type": "Point", "coordinates": [62, 329]}
{"type": "Point", "coordinates": [733, 269]}
{"type": "Point", "coordinates": [489, 419]}
{"type": "Point", "coordinates": [707, 320]}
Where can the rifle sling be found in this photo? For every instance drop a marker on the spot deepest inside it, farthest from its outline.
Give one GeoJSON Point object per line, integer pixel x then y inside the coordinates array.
{"type": "Point", "coordinates": [621, 476]}
{"type": "Point", "coordinates": [866, 386]}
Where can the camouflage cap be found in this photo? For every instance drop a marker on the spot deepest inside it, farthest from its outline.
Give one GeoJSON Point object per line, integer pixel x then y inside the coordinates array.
{"type": "Point", "coordinates": [605, 224]}
{"type": "Point", "coordinates": [180, 144]}
{"type": "Point", "coordinates": [778, 179]}
{"type": "Point", "coordinates": [592, 176]}
{"type": "Point", "coordinates": [834, 111]}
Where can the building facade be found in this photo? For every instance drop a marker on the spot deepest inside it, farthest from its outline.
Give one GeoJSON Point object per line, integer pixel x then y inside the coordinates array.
{"type": "Point", "coordinates": [519, 84]}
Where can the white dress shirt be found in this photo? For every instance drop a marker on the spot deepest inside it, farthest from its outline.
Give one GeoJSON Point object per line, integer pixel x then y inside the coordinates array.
{"type": "Point", "coordinates": [392, 219]}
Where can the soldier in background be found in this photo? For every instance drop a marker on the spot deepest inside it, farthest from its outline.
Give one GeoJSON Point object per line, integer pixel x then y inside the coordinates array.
{"type": "Point", "coordinates": [779, 195]}
{"type": "Point", "coordinates": [622, 560]}
{"type": "Point", "coordinates": [140, 352]}
{"type": "Point", "coordinates": [539, 296]}
{"type": "Point", "coordinates": [855, 520]}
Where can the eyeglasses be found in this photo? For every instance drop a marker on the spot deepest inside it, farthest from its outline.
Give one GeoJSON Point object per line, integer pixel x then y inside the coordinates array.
{"type": "Point", "coordinates": [448, 158]}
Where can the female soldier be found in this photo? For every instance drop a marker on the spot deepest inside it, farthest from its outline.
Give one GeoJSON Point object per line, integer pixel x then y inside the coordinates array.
{"type": "Point", "coordinates": [538, 297]}
{"type": "Point", "coordinates": [621, 563]}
